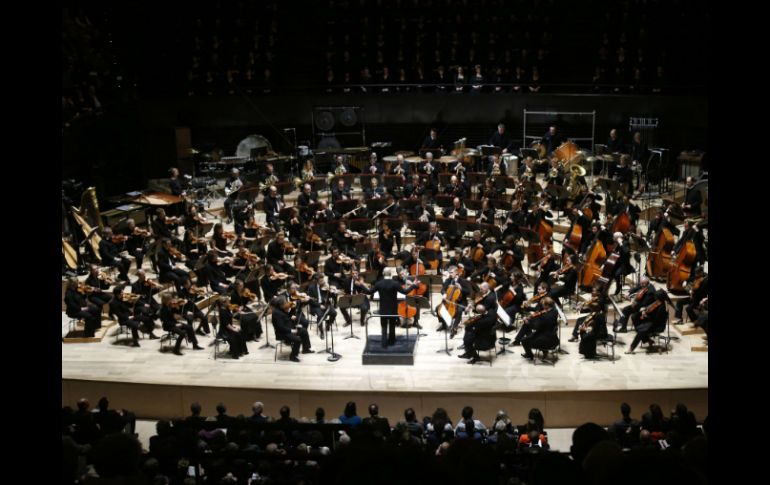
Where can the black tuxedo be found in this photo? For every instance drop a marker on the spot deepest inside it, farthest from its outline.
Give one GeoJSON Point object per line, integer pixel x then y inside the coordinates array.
{"type": "Point", "coordinates": [481, 334]}
{"type": "Point", "coordinates": [283, 326]}
{"type": "Point", "coordinates": [388, 290]}
{"type": "Point", "coordinates": [544, 335]}
{"type": "Point", "coordinates": [92, 314]}
{"type": "Point", "coordinates": [338, 194]}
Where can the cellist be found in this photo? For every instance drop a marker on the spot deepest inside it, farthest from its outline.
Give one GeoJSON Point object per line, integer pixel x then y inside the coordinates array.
{"type": "Point", "coordinates": [452, 282]}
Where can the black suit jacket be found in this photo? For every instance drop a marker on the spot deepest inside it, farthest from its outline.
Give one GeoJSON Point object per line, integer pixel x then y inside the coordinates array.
{"type": "Point", "coordinates": [282, 323]}
{"type": "Point", "coordinates": [693, 198]}
{"type": "Point", "coordinates": [485, 334]}
{"type": "Point", "coordinates": [337, 193]}
{"type": "Point", "coordinates": [388, 299]}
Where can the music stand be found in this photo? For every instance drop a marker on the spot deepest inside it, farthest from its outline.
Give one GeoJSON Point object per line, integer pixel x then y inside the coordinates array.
{"type": "Point", "coordinates": [285, 188]}
{"type": "Point", "coordinates": [558, 193]}
{"type": "Point", "coordinates": [417, 226]}
{"type": "Point", "coordinates": [430, 280]}
{"type": "Point", "coordinates": [370, 277]}
{"type": "Point", "coordinates": [529, 152]}
{"type": "Point", "coordinates": [333, 356]}
{"type": "Point", "coordinates": [476, 178]}
{"type": "Point", "coordinates": [318, 184]}
{"type": "Point", "coordinates": [487, 150]}
{"type": "Point", "coordinates": [419, 302]}
{"type": "Point", "coordinates": [360, 225]}
{"type": "Point", "coordinates": [505, 182]}
{"type": "Point", "coordinates": [345, 206]}
{"type": "Point", "coordinates": [393, 182]}
{"type": "Point", "coordinates": [376, 204]}
{"type": "Point", "coordinates": [473, 204]}
{"type": "Point", "coordinates": [351, 301]}
{"type": "Point", "coordinates": [261, 315]}
{"type": "Point", "coordinates": [366, 180]}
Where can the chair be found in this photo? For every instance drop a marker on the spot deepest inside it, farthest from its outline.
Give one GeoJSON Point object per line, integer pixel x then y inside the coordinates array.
{"type": "Point", "coordinates": [662, 338]}
{"type": "Point", "coordinates": [125, 330]}
{"type": "Point", "coordinates": [169, 336]}
{"type": "Point", "coordinates": [279, 348]}
{"type": "Point", "coordinates": [489, 347]}
{"type": "Point", "coordinates": [219, 339]}
{"type": "Point", "coordinates": [73, 323]}
{"type": "Point", "coordinates": [553, 350]}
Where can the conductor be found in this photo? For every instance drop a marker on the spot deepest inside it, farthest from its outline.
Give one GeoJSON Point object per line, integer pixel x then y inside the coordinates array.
{"type": "Point", "coordinates": [387, 289]}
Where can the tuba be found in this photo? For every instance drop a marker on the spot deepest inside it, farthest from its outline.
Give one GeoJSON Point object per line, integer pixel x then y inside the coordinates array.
{"type": "Point", "coordinates": [575, 189]}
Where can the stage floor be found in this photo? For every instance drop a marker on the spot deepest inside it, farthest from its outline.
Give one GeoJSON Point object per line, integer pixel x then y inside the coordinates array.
{"type": "Point", "coordinates": [574, 390]}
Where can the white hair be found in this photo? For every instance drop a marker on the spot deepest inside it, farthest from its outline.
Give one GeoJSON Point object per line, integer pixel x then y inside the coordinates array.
{"type": "Point", "coordinates": [389, 272]}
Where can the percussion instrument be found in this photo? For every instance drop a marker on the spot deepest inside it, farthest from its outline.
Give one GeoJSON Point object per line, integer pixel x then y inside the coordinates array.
{"type": "Point", "coordinates": [512, 161]}
{"type": "Point", "coordinates": [566, 151]}
{"type": "Point", "coordinates": [447, 159]}
{"type": "Point", "coordinates": [414, 159]}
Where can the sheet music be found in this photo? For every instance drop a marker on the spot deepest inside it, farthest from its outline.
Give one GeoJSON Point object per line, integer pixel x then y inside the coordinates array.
{"type": "Point", "coordinates": [502, 315]}
{"type": "Point", "coordinates": [444, 314]}
{"type": "Point", "coordinates": [561, 313]}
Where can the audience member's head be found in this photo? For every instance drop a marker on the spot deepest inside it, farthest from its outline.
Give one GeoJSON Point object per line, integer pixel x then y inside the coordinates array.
{"type": "Point", "coordinates": [584, 438]}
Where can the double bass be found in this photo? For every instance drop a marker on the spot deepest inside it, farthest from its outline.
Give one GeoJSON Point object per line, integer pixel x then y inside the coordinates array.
{"type": "Point", "coordinates": [621, 223]}
{"type": "Point", "coordinates": [681, 268]}
{"type": "Point", "coordinates": [592, 268]}
{"type": "Point", "coordinates": [659, 260]}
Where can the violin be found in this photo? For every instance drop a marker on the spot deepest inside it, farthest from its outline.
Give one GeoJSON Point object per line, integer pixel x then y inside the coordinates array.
{"type": "Point", "coordinates": [535, 299]}
{"type": "Point", "coordinates": [141, 232]}
{"type": "Point", "coordinates": [288, 247]}
{"type": "Point", "coordinates": [306, 268]}
{"type": "Point", "coordinates": [151, 284]}
{"type": "Point", "coordinates": [536, 314]}
{"type": "Point", "coordinates": [279, 276]}
{"type": "Point", "coordinates": [651, 308]}
{"type": "Point", "coordinates": [85, 289]}
{"type": "Point", "coordinates": [248, 294]}
{"type": "Point", "coordinates": [313, 238]}
{"type": "Point", "coordinates": [171, 220]}
{"type": "Point", "coordinates": [174, 252]}
{"type": "Point", "coordinates": [105, 278]}
{"type": "Point", "coordinates": [234, 307]}
{"type": "Point", "coordinates": [301, 297]}
{"type": "Point", "coordinates": [177, 302]}
{"type": "Point", "coordinates": [130, 297]}
{"type": "Point", "coordinates": [119, 238]}
{"type": "Point", "coordinates": [228, 235]}
{"type": "Point", "coordinates": [194, 290]}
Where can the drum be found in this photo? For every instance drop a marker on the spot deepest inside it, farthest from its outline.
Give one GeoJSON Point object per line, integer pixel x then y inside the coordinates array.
{"type": "Point", "coordinates": [388, 162]}
{"type": "Point", "coordinates": [447, 159]}
{"type": "Point", "coordinates": [405, 153]}
{"type": "Point", "coordinates": [512, 161]}
{"type": "Point", "coordinates": [540, 148]}
{"type": "Point", "coordinates": [414, 159]}
{"type": "Point", "coordinates": [566, 151]}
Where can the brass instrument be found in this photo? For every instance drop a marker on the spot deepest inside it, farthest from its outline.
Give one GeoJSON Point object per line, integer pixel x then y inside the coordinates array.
{"type": "Point", "coordinates": [553, 173]}
{"type": "Point", "coordinates": [265, 185]}
{"type": "Point", "coordinates": [574, 188]}
{"type": "Point", "coordinates": [496, 169]}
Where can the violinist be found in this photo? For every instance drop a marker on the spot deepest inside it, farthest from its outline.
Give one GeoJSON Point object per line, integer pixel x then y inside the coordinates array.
{"type": "Point", "coordinates": [691, 233]}
{"type": "Point", "coordinates": [305, 272]}
{"type": "Point", "coordinates": [277, 251]}
{"type": "Point", "coordinates": [299, 299]}
{"type": "Point", "coordinates": [486, 297]}
{"type": "Point", "coordinates": [162, 225]}
{"type": "Point", "coordinates": [652, 319]}
{"type": "Point", "coordinates": [545, 266]}
{"type": "Point", "coordinates": [272, 282]}
{"type": "Point", "coordinates": [387, 237]}
{"type": "Point", "coordinates": [215, 275]}
{"type": "Point", "coordinates": [78, 306]}
{"type": "Point", "coordinates": [491, 273]}
{"type": "Point", "coordinates": [376, 259]}
{"type": "Point", "coordinates": [698, 291]}
{"type": "Point", "coordinates": [641, 296]}
{"type": "Point", "coordinates": [598, 302]}
{"type": "Point", "coordinates": [312, 241]}
{"type": "Point", "coordinates": [288, 330]}
{"type": "Point", "coordinates": [251, 327]}
{"type": "Point", "coordinates": [136, 241]}
{"type": "Point", "coordinates": [592, 327]}
{"type": "Point", "coordinates": [219, 240]}
{"type": "Point", "coordinates": [166, 259]}
{"type": "Point", "coordinates": [171, 318]}
{"type": "Point", "coordinates": [122, 310]}
{"type": "Point", "coordinates": [193, 220]}
{"type": "Point", "coordinates": [334, 268]}
{"type": "Point", "coordinates": [230, 332]}
{"type": "Point", "coordinates": [98, 281]}
{"type": "Point", "coordinates": [353, 285]}
{"type": "Point", "coordinates": [109, 251]}
{"type": "Point", "coordinates": [568, 275]}
{"type": "Point", "coordinates": [190, 311]}
{"type": "Point", "coordinates": [145, 289]}
{"type": "Point", "coordinates": [374, 191]}
{"type": "Point", "coordinates": [543, 327]}
{"type": "Point", "coordinates": [320, 303]}
{"type": "Point", "coordinates": [273, 203]}
{"type": "Point", "coordinates": [193, 248]}
{"type": "Point", "coordinates": [479, 333]}
{"type": "Point", "coordinates": [345, 239]}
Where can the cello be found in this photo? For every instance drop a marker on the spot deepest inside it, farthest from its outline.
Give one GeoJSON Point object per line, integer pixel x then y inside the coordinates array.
{"type": "Point", "coordinates": [407, 311]}
{"type": "Point", "coordinates": [659, 260]}
{"type": "Point", "coordinates": [449, 302]}
{"type": "Point", "coordinates": [681, 268]}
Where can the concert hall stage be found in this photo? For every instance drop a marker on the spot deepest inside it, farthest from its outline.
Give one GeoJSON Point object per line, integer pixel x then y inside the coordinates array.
{"type": "Point", "coordinates": [162, 385]}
